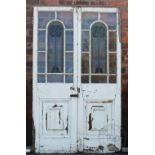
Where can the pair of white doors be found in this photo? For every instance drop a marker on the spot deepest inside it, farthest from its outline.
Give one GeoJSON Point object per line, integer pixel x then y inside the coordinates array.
{"type": "Point", "coordinates": [76, 80]}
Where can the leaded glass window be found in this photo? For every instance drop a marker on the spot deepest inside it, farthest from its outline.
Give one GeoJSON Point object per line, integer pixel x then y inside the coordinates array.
{"type": "Point", "coordinates": [55, 47]}
{"type": "Point", "coordinates": [99, 48]}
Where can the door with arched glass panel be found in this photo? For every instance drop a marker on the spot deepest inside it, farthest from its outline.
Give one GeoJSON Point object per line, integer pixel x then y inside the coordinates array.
{"type": "Point", "coordinates": [76, 80]}
{"type": "Point", "coordinates": [54, 81]}
{"type": "Point", "coordinates": [100, 80]}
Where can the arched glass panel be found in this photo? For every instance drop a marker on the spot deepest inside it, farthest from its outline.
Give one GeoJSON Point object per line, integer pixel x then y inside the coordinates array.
{"type": "Point", "coordinates": [99, 48]}
{"type": "Point", "coordinates": [55, 46]}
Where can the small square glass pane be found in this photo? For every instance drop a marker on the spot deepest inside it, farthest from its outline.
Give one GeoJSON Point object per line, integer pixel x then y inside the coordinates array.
{"type": "Point", "coordinates": [112, 63]}
{"type": "Point", "coordinates": [112, 41]}
{"type": "Point", "coordinates": [41, 40]}
{"type": "Point", "coordinates": [41, 79]}
{"type": "Point", "coordinates": [41, 62]}
{"type": "Point", "coordinates": [85, 40]}
{"type": "Point", "coordinates": [85, 79]}
{"type": "Point", "coordinates": [69, 63]}
{"type": "Point", "coordinates": [69, 79]}
{"type": "Point", "coordinates": [55, 78]}
{"type": "Point", "coordinates": [67, 18]}
{"type": "Point", "coordinates": [112, 79]}
{"type": "Point", "coordinates": [88, 18]}
{"type": "Point", "coordinates": [69, 40]}
{"type": "Point", "coordinates": [99, 79]}
{"type": "Point", "coordinates": [44, 18]}
{"type": "Point", "coordinates": [109, 19]}
{"type": "Point", "coordinates": [85, 63]}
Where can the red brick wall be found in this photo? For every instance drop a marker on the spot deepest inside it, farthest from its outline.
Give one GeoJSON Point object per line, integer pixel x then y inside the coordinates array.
{"type": "Point", "coordinates": [123, 8]}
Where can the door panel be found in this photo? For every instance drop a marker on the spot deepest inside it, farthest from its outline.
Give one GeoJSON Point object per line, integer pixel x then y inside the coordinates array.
{"type": "Point", "coordinates": [100, 81]}
{"type": "Point", "coordinates": [53, 80]}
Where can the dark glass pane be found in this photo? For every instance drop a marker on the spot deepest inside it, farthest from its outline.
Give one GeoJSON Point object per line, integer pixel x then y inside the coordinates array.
{"type": "Point", "coordinates": [69, 63]}
{"type": "Point", "coordinates": [112, 79]}
{"type": "Point", "coordinates": [55, 78]}
{"type": "Point", "coordinates": [85, 40]}
{"type": "Point", "coordinates": [67, 18]}
{"type": "Point", "coordinates": [41, 40]}
{"type": "Point", "coordinates": [98, 79]}
{"type": "Point", "coordinates": [112, 41]}
{"type": "Point", "coordinates": [112, 63]}
{"type": "Point", "coordinates": [41, 62]}
{"type": "Point", "coordinates": [44, 18]}
{"type": "Point", "coordinates": [99, 48]}
{"type": "Point", "coordinates": [41, 78]}
{"type": "Point", "coordinates": [55, 48]}
{"type": "Point", "coordinates": [88, 18]}
{"type": "Point", "coordinates": [85, 79]}
{"type": "Point", "coordinates": [69, 40]}
{"type": "Point", "coordinates": [69, 78]}
{"type": "Point", "coordinates": [109, 19]}
{"type": "Point", "coordinates": [85, 63]}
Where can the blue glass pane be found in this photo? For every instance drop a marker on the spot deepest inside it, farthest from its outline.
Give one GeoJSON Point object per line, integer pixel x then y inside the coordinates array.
{"type": "Point", "coordinates": [41, 40]}
{"type": "Point", "coordinates": [55, 78]}
{"type": "Point", "coordinates": [67, 18]}
{"type": "Point", "coordinates": [69, 40]}
{"type": "Point", "coordinates": [69, 79]}
{"type": "Point", "coordinates": [99, 48]}
{"type": "Point", "coordinates": [85, 40]}
{"type": "Point", "coordinates": [69, 63]}
{"type": "Point", "coordinates": [55, 48]}
{"type": "Point", "coordinates": [109, 19]}
{"type": "Point", "coordinates": [41, 62]}
{"type": "Point", "coordinates": [41, 78]}
{"type": "Point", "coordinates": [44, 18]}
{"type": "Point", "coordinates": [88, 18]}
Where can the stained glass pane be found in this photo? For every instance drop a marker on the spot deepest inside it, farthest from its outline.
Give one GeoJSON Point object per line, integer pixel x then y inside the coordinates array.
{"type": "Point", "coordinates": [109, 19]}
{"type": "Point", "coordinates": [85, 40]}
{"type": "Point", "coordinates": [41, 78]}
{"type": "Point", "coordinates": [44, 18]}
{"type": "Point", "coordinates": [55, 78]}
{"type": "Point", "coordinates": [88, 18]}
{"type": "Point", "coordinates": [99, 79]}
{"type": "Point", "coordinates": [85, 79]}
{"type": "Point", "coordinates": [55, 48]}
{"type": "Point", "coordinates": [99, 48]}
{"type": "Point", "coordinates": [41, 62]}
{"type": "Point", "coordinates": [112, 63]}
{"type": "Point", "coordinates": [69, 78]}
{"type": "Point", "coordinates": [112, 41]}
{"type": "Point", "coordinates": [85, 63]}
{"type": "Point", "coordinates": [41, 40]}
{"type": "Point", "coordinates": [69, 63]}
{"type": "Point", "coordinates": [112, 79]}
{"type": "Point", "coordinates": [69, 40]}
{"type": "Point", "coordinates": [67, 18]}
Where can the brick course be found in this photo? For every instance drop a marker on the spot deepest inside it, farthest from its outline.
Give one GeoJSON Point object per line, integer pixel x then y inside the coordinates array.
{"type": "Point", "coordinates": [123, 9]}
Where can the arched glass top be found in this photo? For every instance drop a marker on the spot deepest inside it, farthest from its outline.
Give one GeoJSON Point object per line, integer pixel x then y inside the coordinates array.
{"type": "Point", "coordinates": [55, 47]}
{"type": "Point", "coordinates": [99, 48]}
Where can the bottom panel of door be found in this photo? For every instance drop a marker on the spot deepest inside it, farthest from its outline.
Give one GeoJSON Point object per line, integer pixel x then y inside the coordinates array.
{"type": "Point", "coordinates": [100, 134]}
{"type": "Point", "coordinates": [57, 129]}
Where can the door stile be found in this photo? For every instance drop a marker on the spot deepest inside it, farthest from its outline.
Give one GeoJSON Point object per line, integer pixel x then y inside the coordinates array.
{"type": "Point", "coordinates": [35, 100]}
{"type": "Point", "coordinates": [80, 99]}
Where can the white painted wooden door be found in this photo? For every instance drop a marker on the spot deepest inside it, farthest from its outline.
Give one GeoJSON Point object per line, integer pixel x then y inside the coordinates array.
{"type": "Point", "coordinates": [76, 80]}
{"type": "Point", "coordinates": [99, 104]}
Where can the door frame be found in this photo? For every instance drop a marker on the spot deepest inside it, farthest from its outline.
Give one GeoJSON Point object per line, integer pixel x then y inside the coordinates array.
{"type": "Point", "coordinates": [77, 11]}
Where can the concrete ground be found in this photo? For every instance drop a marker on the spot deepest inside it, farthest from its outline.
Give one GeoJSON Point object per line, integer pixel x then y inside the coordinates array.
{"type": "Point", "coordinates": [79, 154]}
